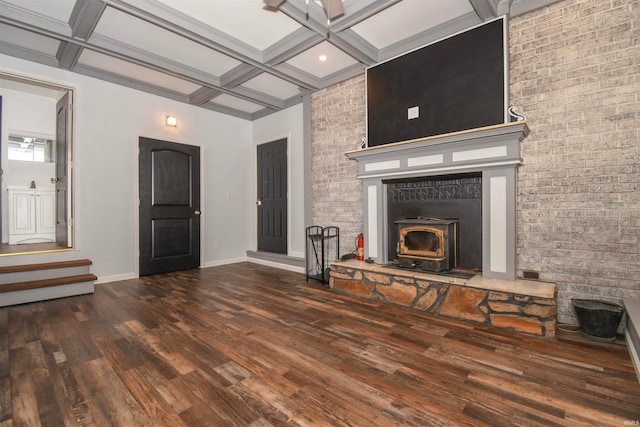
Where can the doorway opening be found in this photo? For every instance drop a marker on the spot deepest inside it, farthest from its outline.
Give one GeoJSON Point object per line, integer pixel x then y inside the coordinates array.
{"type": "Point", "coordinates": [36, 129]}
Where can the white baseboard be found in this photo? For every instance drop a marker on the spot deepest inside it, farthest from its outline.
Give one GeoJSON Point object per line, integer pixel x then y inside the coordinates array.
{"type": "Point", "coordinates": [633, 352]}
{"type": "Point", "coordinates": [116, 278]}
{"type": "Point", "coordinates": [277, 265]}
{"type": "Point", "coordinates": [223, 262]}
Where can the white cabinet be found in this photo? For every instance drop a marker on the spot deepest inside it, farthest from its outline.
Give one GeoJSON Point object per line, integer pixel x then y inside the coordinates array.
{"type": "Point", "coordinates": [32, 215]}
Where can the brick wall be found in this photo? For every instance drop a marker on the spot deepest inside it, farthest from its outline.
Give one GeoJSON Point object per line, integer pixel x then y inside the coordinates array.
{"type": "Point", "coordinates": [338, 125]}
{"type": "Point", "coordinates": [575, 74]}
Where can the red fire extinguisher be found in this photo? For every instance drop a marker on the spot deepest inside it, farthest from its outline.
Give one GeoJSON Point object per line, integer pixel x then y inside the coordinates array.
{"type": "Point", "coordinates": [360, 246]}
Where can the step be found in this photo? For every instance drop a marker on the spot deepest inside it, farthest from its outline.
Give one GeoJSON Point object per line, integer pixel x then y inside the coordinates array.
{"type": "Point", "coordinates": [46, 283]}
{"type": "Point", "coordinates": [40, 257]}
{"type": "Point", "coordinates": [632, 331]}
{"type": "Point", "coordinates": [41, 271]}
{"type": "Point", "coordinates": [42, 290]}
{"type": "Point", "coordinates": [38, 281]}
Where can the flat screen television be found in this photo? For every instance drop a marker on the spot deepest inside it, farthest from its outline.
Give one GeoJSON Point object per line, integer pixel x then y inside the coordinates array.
{"type": "Point", "coordinates": [454, 84]}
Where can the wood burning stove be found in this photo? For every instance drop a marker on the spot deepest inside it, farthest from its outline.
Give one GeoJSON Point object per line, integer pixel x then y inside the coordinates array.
{"type": "Point", "coordinates": [430, 244]}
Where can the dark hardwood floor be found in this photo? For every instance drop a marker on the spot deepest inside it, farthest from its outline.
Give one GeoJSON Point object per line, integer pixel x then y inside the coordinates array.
{"type": "Point", "coordinates": [250, 345]}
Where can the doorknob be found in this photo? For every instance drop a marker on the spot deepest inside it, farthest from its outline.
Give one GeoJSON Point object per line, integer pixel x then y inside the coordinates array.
{"type": "Point", "coordinates": [197, 212]}
{"type": "Point", "coordinates": [259, 202]}
{"type": "Point", "coordinates": [54, 180]}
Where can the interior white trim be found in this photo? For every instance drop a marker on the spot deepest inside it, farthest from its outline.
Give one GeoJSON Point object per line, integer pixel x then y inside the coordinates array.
{"type": "Point", "coordinates": [425, 160]}
{"type": "Point", "coordinates": [377, 166]}
{"type": "Point", "coordinates": [497, 219]}
{"type": "Point", "coordinates": [372, 202]}
{"type": "Point", "coordinates": [482, 153]}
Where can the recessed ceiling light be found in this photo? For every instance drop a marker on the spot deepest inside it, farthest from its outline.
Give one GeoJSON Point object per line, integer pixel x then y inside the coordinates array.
{"type": "Point", "coordinates": [322, 58]}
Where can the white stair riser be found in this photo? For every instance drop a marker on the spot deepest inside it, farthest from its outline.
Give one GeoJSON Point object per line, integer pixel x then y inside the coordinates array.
{"type": "Point", "coordinates": [38, 258]}
{"type": "Point", "coordinates": [41, 294]}
{"type": "Point", "coordinates": [27, 276]}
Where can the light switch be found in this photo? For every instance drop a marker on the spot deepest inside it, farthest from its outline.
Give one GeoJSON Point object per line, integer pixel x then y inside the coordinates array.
{"type": "Point", "coordinates": [413, 113]}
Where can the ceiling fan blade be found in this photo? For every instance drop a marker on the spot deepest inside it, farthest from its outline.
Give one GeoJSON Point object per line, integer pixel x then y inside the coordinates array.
{"type": "Point", "coordinates": [272, 5]}
{"type": "Point", "coordinates": [334, 8]}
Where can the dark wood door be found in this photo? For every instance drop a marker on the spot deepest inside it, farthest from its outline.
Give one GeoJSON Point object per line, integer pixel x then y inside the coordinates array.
{"type": "Point", "coordinates": [169, 206]}
{"type": "Point", "coordinates": [62, 179]}
{"type": "Point", "coordinates": [272, 197]}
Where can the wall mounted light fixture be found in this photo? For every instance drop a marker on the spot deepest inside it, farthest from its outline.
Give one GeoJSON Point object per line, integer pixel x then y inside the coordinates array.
{"type": "Point", "coordinates": [172, 121]}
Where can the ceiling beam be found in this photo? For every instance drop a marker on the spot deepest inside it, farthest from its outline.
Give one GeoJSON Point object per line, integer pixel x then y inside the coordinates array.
{"type": "Point", "coordinates": [239, 75]}
{"type": "Point", "coordinates": [351, 43]}
{"type": "Point", "coordinates": [84, 17]}
{"type": "Point", "coordinates": [292, 45]}
{"type": "Point", "coordinates": [503, 7]}
{"type": "Point", "coordinates": [518, 7]}
{"type": "Point", "coordinates": [484, 9]}
{"type": "Point", "coordinates": [10, 14]}
{"type": "Point", "coordinates": [203, 95]}
{"type": "Point", "coordinates": [126, 82]}
{"type": "Point", "coordinates": [259, 98]}
{"type": "Point", "coordinates": [28, 54]}
{"type": "Point", "coordinates": [68, 54]}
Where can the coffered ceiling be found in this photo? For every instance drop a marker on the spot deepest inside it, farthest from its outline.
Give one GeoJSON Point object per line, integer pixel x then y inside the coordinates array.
{"type": "Point", "coordinates": [231, 56]}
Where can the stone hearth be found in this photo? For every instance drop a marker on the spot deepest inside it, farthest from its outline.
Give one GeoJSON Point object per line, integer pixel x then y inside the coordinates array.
{"type": "Point", "coordinates": [522, 305]}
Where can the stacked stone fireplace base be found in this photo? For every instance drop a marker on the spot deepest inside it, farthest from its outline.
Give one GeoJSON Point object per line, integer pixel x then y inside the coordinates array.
{"type": "Point", "coordinates": [523, 306]}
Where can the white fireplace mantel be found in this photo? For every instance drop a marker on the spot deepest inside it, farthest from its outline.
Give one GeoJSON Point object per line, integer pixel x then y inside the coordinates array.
{"type": "Point", "coordinates": [494, 151]}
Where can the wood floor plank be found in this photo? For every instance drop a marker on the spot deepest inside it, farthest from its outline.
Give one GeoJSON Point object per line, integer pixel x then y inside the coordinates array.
{"type": "Point", "coordinates": [152, 401]}
{"type": "Point", "coordinates": [108, 397]}
{"type": "Point", "coordinates": [25, 410]}
{"type": "Point", "coordinates": [68, 394]}
{"type": "Point", "coordinates": [5, 385]}
{"type": "Point", "coordinates": [251, 345]}
{"type": "Point", "coordinates": [6, 413]}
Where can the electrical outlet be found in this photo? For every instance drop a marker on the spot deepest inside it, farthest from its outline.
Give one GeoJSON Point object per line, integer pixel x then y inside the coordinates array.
{"type": "Point", "coordinates": [413, 113]}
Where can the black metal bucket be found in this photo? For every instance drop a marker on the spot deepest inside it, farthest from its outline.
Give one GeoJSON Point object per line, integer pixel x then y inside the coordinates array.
{"type": "Point", "coordinates": [599, 320]}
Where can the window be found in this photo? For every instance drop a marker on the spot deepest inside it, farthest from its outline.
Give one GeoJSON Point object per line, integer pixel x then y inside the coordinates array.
{"type": "Point", "coordinates": [31, 149]}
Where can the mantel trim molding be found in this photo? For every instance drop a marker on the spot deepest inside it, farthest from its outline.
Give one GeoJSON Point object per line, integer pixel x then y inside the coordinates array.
{"type": "Point", "coordinates": [494, 151]}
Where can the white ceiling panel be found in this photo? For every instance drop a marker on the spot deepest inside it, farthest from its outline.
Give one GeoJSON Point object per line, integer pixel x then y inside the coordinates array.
{"type": "Point", "coordinates": [146, 37]}
{"type": "Point", "coordinates": [309, 60]}
{"type": "Point", "coordinates": [273, 86]}
{"type": "Point", "coordinates": [135, 72]}
{"type": "Point", "coordinates": [408, 18]}
{"type": "Point", "coordinates": [244, 20]}
{"type": "Point", "coordinates": [232, 56]}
